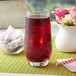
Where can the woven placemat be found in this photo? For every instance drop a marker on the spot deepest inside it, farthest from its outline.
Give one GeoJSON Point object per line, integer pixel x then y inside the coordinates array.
{"type": "Point", "coordinates": [18, 63]}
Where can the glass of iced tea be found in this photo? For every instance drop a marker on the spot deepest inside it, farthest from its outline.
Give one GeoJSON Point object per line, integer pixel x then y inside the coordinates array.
{"type": "Point", "coordinates": [38, 44]}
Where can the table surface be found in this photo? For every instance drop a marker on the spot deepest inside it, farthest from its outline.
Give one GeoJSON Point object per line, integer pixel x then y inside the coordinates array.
{"type": "Point", "coordinates": [19, 64]}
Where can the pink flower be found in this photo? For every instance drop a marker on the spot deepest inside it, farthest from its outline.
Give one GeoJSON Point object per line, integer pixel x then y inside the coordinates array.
{"type": "Point", "coordinates": [73, 13]}
{"type": "Point", "coordinates": [72, 10]}
{"type": "Point", "coordinates": [60, 12]}
{"type": "Point", "coordinates": [62, 21]}
{"type": "Point", "coordinates": [74, 17]}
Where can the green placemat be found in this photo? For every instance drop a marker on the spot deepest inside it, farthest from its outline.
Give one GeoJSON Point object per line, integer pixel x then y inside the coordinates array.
{"type": "Point", "coordinates": [18, 63]}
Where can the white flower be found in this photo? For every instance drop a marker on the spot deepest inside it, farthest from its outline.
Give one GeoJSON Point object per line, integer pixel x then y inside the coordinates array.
{"type": "Point", "coordinates": [68, 18]}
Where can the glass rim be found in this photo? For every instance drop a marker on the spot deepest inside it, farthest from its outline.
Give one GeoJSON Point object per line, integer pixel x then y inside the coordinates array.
{"type": "Point", "coordinates": [40, 9]}
{"type": "Point", "coordinates": [38, 12]}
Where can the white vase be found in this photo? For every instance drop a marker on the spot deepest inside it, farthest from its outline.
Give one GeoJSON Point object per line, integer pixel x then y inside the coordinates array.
{"type": "Point", "coordinates": [66, 39]}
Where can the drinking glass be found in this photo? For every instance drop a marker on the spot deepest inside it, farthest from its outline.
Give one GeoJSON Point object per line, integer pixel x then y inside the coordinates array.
{"type": "Point", "coordinates": [38, 44]}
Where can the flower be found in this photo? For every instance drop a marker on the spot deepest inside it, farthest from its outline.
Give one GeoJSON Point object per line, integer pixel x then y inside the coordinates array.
{"type": "Point", "coordinates": [73, 14]}
{"type": "Point", "coordinates": [67, 20]}
{"type": "Point", "coordinates": [60, 12]}
{"type": "Point", "coordinates": [74, 17]}
{"type": "Point", "coordinates": [63, 21]}
{"type": "Point", "coordinates": [72, 10]}
{"type": "Point", "coordinates": [66, 16]}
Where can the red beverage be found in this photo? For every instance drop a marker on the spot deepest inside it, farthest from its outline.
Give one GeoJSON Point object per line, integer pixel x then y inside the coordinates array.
{"type": "Point", "coordinates": [38, 45]}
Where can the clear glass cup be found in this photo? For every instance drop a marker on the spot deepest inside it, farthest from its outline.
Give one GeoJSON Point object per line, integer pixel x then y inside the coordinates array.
{"type": "Point", "coordinates": [6, 50]}
{"type": "Point", "coordinates": [38, 41]}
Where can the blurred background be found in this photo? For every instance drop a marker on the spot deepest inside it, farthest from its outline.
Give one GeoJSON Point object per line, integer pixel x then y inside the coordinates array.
{"type": "Point", "coordinates": [13, 12]}
{"type": "Point", "coordinates": [51, 4]}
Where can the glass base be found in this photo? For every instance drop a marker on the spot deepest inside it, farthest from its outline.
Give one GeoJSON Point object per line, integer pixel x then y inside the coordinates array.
{"type": "Point", "coordinates": [39, 64]}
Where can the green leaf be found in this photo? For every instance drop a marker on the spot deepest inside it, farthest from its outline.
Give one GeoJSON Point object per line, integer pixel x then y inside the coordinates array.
{"type": "Point", "coordinates": [69, 24]}
{"type": "Point", "coordinates": [55, 20]}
